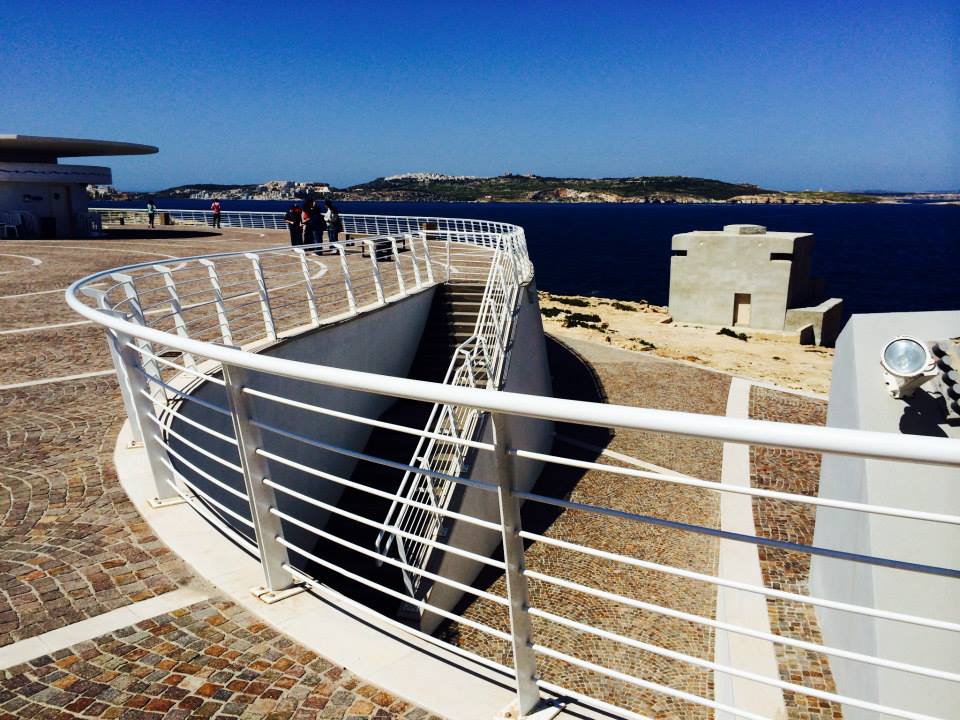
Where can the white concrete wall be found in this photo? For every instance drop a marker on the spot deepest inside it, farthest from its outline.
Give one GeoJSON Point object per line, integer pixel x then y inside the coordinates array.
{"type": "Point", "coordinates": [383, 341]}
{"type": "Point", "coordinates": [858, 399]}
{"type": "Point", "coordinates": [527, 372]}
{"type": "Point", "coordinates": [33, 192]}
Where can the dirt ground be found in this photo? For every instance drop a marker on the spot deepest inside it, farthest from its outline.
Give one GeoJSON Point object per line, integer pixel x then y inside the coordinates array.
{"type": "Point", "coordinates": [642, 327]}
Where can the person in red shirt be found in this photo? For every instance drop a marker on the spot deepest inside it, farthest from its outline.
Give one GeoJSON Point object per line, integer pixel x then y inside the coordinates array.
{"type": "Point", "coordinates": [215, 207]}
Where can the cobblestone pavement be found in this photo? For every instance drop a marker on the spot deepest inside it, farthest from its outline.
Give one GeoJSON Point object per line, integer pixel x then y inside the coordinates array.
{"type": "Point", "coordinates": [73, 547]}
{"type": "Point", "coordinates": [797, 472]}
{"type": "Point", "coordinates": [208, 660]}
{"type": "Point", "coordinates": [631, 379]}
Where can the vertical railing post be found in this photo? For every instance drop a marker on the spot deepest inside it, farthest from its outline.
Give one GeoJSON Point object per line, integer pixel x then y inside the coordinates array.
{"type": "Point", "coordinates": [176, 309]}
{"type": "Point", "coordinates": [126, 392]}
{"type": "Point", "coordinates": [137, 316]}
{"type": "Point", "coordinates": [408, 239]}
{"type": "Point", "coordinates": [396, 259]}
{"type": "Point", "coordinates": [448, 243]}
{"type": "Point", "coordinates": [521, 629]}
{"type": "Point", "coordinates": [311, 296]}
{"type": "Point", "coordinates": [427, 261]}
{"type": "Point", "coordinates": [222, 319]}
{"type": "Point", "coordinates": [351, 298]}
{"type": "Point", "coordinates": [268, 325]}
{"type": "Point", "coordinates": [266, 525]}
{"type": "Point", "coordinates": [145, 409]}
{"type": "Point", "coordinates": [372, 246]}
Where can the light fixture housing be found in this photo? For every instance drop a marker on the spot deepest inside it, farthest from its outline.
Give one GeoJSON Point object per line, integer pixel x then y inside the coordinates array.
{"type": "Point", "coordinates": [907, 364]}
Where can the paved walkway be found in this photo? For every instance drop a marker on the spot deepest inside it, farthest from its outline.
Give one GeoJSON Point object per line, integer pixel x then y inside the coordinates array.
{"type": "Point", "coordinates": [73, 550]}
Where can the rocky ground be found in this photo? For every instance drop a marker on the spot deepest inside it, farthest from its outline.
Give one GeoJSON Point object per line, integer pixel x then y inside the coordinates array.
{"type": "Point", "coordinates": [647, 328]}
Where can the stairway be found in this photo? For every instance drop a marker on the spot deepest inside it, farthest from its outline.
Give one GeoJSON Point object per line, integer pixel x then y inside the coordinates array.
{"type": "Point", "coordinates": [451, 321]}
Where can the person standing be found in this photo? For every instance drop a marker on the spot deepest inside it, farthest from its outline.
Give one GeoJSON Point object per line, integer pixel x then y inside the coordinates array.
{"type": "Point", "coordinates": [334, 223]}
{"type": "Point", "coordinates": [294, 219]}
{"type": "Point", "coordinates": [151, 212]}
{"type": "Point", "coordinates": [313, 224]}
{"type": "Point", "coordinates": [215, 208]}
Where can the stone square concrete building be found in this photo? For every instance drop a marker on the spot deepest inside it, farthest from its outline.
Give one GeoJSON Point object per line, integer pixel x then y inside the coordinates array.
{"type": "Point", "coordinates": [745, 276]}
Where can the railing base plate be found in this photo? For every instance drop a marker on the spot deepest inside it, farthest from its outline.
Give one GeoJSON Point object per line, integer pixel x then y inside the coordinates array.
{"type": "Point", "coordinates": [543, 711]}
{"type": "Point", "coordinates": [268, 596]}
{"type": "Point", "coordinates": [157, 503]}
{"type": "Point", "coordinates": [134, 444]}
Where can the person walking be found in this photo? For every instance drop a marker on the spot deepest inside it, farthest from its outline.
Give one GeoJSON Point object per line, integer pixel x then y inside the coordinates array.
{"type": "Point", "coordinates": [151, 212]}
{"type": "Point", "coordinates": [294, 220]}
{"type": "Point", "coordinates": [333, 221]}
{"type": "Point", "coordinates": [215, 208]}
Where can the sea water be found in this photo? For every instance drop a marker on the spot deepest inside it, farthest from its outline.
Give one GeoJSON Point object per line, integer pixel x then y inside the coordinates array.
{"type": "Point", "coordinates": [877, 257]}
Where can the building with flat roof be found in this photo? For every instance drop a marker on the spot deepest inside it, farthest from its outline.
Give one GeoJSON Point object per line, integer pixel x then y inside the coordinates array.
{"type": "Point", "coordinates": [42, 197]}
{"type": "Point", "coordinates": [745, 276]}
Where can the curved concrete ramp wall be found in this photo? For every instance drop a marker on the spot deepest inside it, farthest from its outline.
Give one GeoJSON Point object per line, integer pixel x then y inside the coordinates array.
{"type": "Point", "coordinates": [382, 341]}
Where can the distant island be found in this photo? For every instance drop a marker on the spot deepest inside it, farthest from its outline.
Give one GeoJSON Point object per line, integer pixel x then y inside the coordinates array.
{"type": "Point", "coordinates": [436, 187]}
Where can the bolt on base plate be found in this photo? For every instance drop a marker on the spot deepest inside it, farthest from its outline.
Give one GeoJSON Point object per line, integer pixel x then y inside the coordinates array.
{"type": "Point", "coordinates": [545, 710]}
{"type": "Point", "coordinates": [157, 503]}
{"type": "Point", "coordinates": [268, 596]}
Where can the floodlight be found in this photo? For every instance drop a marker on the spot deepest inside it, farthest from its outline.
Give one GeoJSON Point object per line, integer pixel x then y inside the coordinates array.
{"type": "Point", "coordinates": [907, 364]}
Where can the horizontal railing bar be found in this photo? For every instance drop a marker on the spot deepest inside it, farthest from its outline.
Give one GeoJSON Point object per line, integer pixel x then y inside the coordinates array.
{"type": "Point", "coordinates": [726, 487]}
{"type": "Point", "coordinates": [168, 410]}
{"type": "Point", "coordinates": [718, 667]}
{"type": "Point", "coordinates": [371, 458]}
{"type": "Point", "coordinates": [859, 443]}
{"type": "Point", "coordinates": [735, 585]}
{"type": "Point", "coordinates": [403, 627]}
{"type": "Point", "coordinates": [381, 526]}
{"type": "Point", "coordinates": [646, 684]}
{"type": "Point", "coordinates": [422, 604]}
{"type": "Point", "coordinates": [390, 561]}
{"type": "Point", "coordinates": [379, 493]}
{"type": "Point", "coordinates": [742, 537]}
{"type": "Point", "coordinates": [179, 368]}
{"type": "Point", "coordinates": [205, 512]}
{"type": "Point", "coordinates": [203, 451]}
{"type": "Point", "coordinates": [739, 630]}
{"type": "Point", "coordinates": [208, 498]}
{"type": "Point", "coordinates": [201, 472]}
{"type": "Point", "coordinates": [366, 421]}
{"type": "Point", "coordinates": [182, 395]}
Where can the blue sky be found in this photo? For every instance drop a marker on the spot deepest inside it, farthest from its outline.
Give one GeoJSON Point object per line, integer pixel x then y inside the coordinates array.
{"type": "Point", "coordinates": [841, 95]}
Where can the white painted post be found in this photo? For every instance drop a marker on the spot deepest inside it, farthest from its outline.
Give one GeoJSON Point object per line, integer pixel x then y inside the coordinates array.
{"type": "Point", "coordinates": [311, 297]}
{"type": "Point", "coordinates": [123, 379]}
{"type": "Point", "coordinates": [136, 315]}
{"type": "Point", "coordinates": [176, 309]}
{"type": "Point", "coordinates": [408, 238]}
{"type": "Point", "coordinates": [148, 416]}
{"type": "Point", "coordinates": [351, 298]}
{"type": "Point", "coordinates": [427, 261]}
{"type": "Point", "coordinates": [521, 630]}
{"type": "Point", "coordinates": [218, 300]}
{"type": "Point", "coordinates": [396, 260]}
{"type": "Point", "coordinates": [372, 247]}
{"type": "Point", "coordinates": [266, 525]}
{"type": "Point", "coordinates": [268, 325]}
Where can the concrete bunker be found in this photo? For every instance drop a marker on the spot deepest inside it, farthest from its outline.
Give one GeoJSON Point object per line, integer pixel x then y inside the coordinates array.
{"type": "Point", "coordinates": [747, 276]}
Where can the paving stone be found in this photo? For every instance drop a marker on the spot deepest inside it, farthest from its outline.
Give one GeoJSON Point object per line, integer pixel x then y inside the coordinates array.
{"type": "Point", "coordinates": [792, 471]}
{"type": "Point", "coordinates": [73, 547]}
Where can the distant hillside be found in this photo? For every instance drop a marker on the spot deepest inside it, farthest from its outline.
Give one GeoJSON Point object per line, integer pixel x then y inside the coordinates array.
{"type": "Point", "coordinates": [507, 188]}
{"type": "Point", "coordinates": [435, 187]}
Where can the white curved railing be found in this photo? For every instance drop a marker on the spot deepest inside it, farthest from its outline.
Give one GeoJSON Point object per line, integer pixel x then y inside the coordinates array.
{"type": "Point", "coordinates": [168, 335]}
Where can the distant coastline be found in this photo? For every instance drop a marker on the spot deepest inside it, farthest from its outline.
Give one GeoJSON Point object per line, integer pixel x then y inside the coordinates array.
{"type": "Point", "coordinates": [510, 188]}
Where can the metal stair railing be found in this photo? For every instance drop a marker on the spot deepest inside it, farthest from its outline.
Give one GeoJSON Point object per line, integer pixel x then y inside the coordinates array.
{"type": "Point", "coordinates": [479, 361]}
